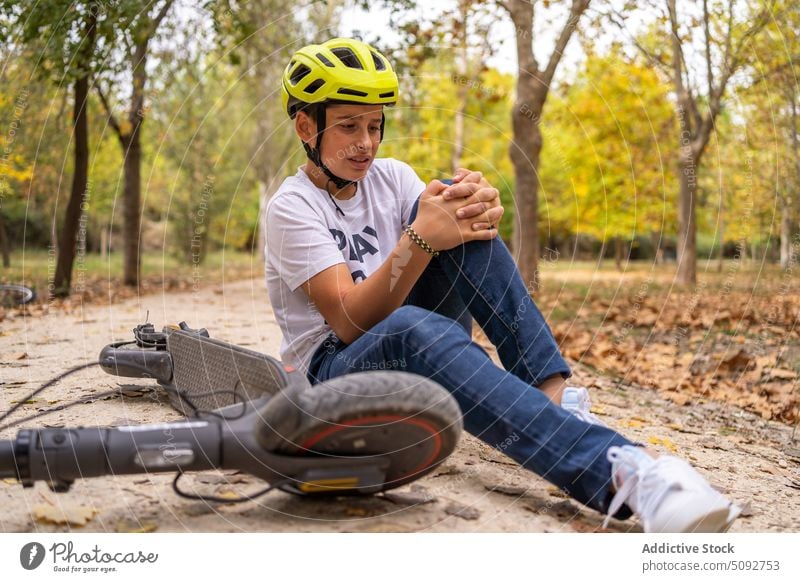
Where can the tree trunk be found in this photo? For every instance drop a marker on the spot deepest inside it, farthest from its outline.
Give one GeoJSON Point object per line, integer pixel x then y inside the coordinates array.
{"type": "Point", "coordinates": [786, 235]}
{"type": "Point", "coordinates": [526, 147]}
{"type": "Point", "coordinates": [4, 246]}
{"type": "Point", "coordinates": [786, 207]}
{"type": "Point", "coordinates": [687, 227]}
{"type": "Point", "coordinates": [132, 210]}
{"type": "Point", "coordinates": [721, 254]}
{"type": "Point", "coordinates": [618, 249]}
{"type": "Point", "coordinates": [80, 177]}
{"type": "Point", "coordinates": [77, 198]}
{"type": "Point", "coordinates": [525, 154]}
{"type": "Point", "coordinates": [132, 150]}
{"type": "Point", "coordinates": [103, 243]}
{"type": "Point", "coordinates": [462, 67]}
{"type": "Point", "coordinates": [655, 240]}
{"type": "Point", "coordinates": [533, 86]}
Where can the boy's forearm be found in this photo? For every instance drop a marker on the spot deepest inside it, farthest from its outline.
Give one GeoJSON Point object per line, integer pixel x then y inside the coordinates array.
{"type": "Point", "coordinates": [372, 300]}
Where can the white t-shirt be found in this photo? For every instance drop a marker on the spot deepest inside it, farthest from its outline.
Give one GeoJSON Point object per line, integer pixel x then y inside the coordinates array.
{"type": "Point", "coordinates": [306, 235]}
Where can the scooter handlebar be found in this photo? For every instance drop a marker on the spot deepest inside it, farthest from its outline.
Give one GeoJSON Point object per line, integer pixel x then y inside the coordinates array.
{"type": "Point", "coordinates": [8, 466]}
{"type": "Point", "coordinates": [61, 455]}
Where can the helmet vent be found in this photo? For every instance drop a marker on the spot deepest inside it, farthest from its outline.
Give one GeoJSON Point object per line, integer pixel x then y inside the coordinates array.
{"type": "Point", "coordinates": [348, 57]}
{"type": "Point", "coordinates": [325, 60]}
{"type": "Point", "coordinates": [384, 95]}
{"type": "Point", "coordinates": [312, 87]}
{"type": "Point", "coordinates": [379, 64]}
{"type": "Point", "coordinates": [299, 74]}
{"type": "Point", "coordinates": [352, 92]}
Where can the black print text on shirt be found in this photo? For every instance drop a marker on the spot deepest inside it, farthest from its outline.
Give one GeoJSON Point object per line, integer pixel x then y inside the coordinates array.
{"type": "Point", "coordinates": [357, 247]}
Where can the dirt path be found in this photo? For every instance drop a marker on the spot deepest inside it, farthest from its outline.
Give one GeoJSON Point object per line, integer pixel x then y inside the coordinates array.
{"type": "Point", "coordinates": [477, 489]}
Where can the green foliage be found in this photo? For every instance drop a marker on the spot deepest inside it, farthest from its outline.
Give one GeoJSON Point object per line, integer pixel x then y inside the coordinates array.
{"type": "Point", "coordinates": [422, 134]}
{"type": "Point", "coordinates": [215, 138]}
{"type": "Point", "coordinates": [606, 165]}
{"type": "Point", "coordinates": [212, 197]}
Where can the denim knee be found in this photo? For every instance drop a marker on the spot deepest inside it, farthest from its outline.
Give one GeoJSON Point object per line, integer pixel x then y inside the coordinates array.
{"type": "Point", "coordinates": [409, 317]}
{"type": "Point", "coordinates": [417, 327]}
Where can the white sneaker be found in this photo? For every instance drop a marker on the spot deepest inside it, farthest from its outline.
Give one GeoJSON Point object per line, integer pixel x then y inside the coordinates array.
{"type": "Point", "coordinates": [576, 400]}
{"type": "Point", "coordinates": [667, 493]}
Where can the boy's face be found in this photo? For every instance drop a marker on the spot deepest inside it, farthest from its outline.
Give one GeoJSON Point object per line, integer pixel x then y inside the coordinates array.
{"type": "Point", "coordinates": [351, 138]}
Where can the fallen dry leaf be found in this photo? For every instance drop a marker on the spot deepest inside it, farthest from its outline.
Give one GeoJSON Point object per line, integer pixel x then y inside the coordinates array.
{"type": "Point", "coordinates": [126, 526]}
{"type": "Point", "coordinates": [664, 442]}
{"type": "Point", "coordinates": [782, 374]}
{"type": "Point", "coordinates": [463, 511]}
{"type": "Point", "coordinates": [64, 514]}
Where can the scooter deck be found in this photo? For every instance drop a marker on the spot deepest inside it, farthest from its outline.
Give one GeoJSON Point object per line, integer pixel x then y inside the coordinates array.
{"type": "Point", "coordinates": [212, 374]}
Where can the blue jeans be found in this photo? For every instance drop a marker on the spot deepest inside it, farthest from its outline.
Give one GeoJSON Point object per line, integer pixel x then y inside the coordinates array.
{"type": "Point", "coordinates": [431, 335]}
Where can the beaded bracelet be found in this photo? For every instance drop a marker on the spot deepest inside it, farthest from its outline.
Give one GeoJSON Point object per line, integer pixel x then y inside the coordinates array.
{"type": "Point", "coordinates": [412, 234]}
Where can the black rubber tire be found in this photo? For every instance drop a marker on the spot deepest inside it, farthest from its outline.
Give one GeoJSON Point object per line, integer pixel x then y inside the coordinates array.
{"type": "Point", "coordinates": [409, 418]}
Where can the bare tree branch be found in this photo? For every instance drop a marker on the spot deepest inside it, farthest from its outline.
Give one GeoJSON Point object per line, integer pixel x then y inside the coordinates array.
{"type": "Point", "coordinates": [656, 60]}
{"type": "Point", "coordinates": [760, 22]}
{"type": "Point", "coordinates": [575, 13]}
{"type": "Point", "coordinates": [159, 17]}
{"type": "Point", "coordinates": [728, 36]}
{"type": "Point", "coordinates": [112, 121]}
{"type": "Point", "coordinates": [706, 26]}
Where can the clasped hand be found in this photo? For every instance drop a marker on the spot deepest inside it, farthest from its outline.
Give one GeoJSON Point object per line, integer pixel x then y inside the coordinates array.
{"type": "Point", "coordinates": [467, 210]}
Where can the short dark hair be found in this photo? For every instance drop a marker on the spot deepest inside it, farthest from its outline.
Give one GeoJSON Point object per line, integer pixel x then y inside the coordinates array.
{"type": "Point", "coordinates": [310, 109]}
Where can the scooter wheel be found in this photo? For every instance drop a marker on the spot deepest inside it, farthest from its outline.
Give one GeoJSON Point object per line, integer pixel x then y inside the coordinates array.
{"type": "Point", "coordinates": [406, 418]}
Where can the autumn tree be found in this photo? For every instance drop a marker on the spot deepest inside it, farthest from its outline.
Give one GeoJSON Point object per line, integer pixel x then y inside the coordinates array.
{"type": "Point", "coordinates": [699, 48]}
{"type": "Point", "coordinates": [65, 34]}
{"type": "Point", "coordinates": [603, 171]}
{"type": "Point", "coordinates": [135, 24]}
{"type": "Point", "coordinates": [776, 106]}
{"type": "Point", "coordinates": [533, 87]}
{"type": "Point", "coordinates": [259, 37]}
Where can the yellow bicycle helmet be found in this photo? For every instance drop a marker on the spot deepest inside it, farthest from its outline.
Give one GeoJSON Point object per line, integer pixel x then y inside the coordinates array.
{"type": "Point", "coordinates": [341, 70]}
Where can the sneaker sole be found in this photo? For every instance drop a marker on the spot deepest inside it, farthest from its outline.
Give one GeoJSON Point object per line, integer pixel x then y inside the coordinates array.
{"type": "Point", "coordinates": [718, 521]}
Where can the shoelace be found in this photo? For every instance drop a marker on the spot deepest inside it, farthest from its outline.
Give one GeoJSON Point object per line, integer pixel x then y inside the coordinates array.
{"type": "Point", "coordinates": [651, 490]}
{"type": "Point", "coordinates": [582, 409]}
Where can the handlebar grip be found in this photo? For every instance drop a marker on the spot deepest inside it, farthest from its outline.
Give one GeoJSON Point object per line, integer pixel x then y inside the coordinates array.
{"type": "Point", "coordinates": [62, 455]}
{"type": "Point", "coordinates": [130, 361]}
{"type": "Point", "coordinates": [8, 464]}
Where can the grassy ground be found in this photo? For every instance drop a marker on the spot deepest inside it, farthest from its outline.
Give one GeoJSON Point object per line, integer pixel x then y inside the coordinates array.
{"type": "Point", "coordinates": [36, 269]}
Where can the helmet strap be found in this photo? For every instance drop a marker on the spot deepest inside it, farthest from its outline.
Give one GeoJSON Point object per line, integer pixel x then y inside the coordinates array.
{"type": "Point", "coordinates": [315, 156]}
